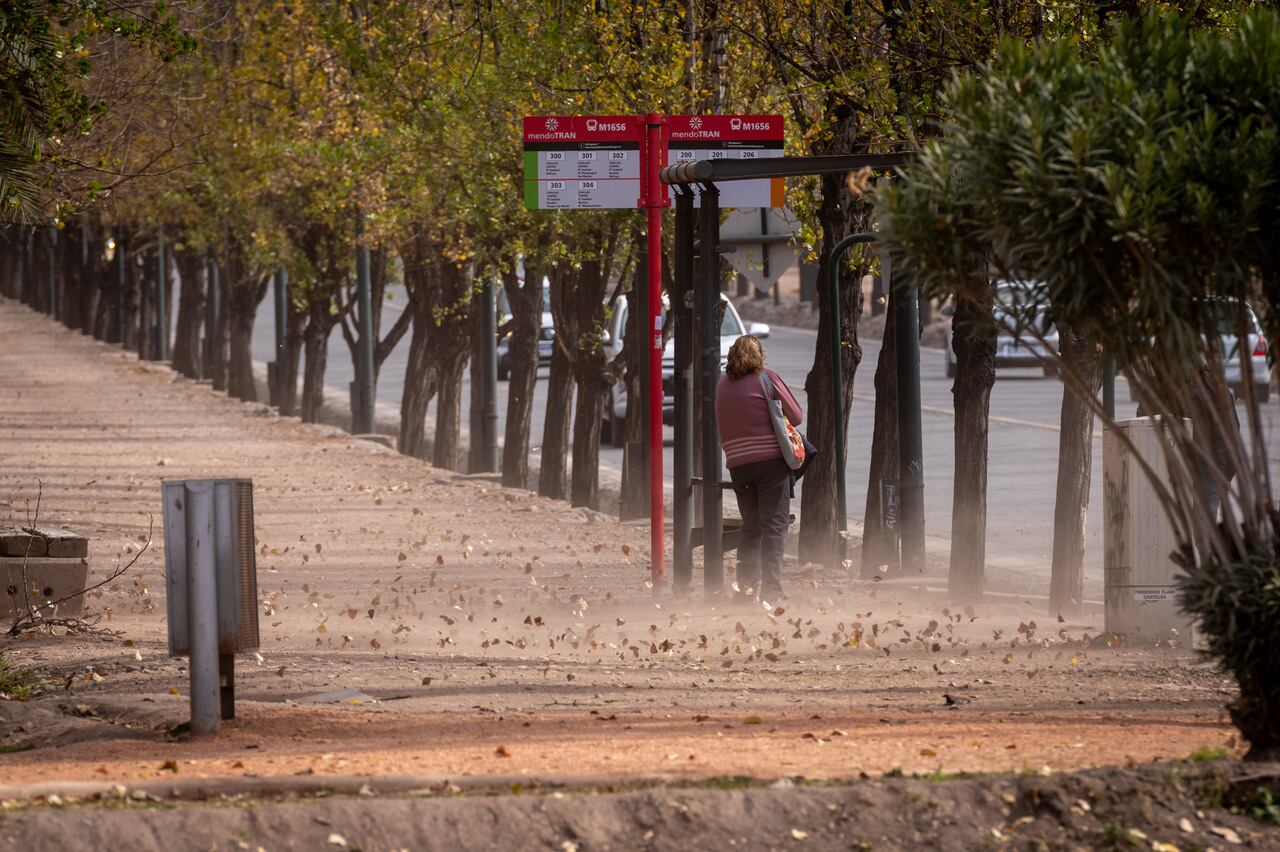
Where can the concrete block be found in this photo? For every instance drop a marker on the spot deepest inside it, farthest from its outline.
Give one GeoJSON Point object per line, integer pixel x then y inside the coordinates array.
{"type": "Point", "coordinates": [1140, 591]}
{"type": "Point", "coordinates": [53, 543]}
{"type": "Point", "coordinates": [47, 580]}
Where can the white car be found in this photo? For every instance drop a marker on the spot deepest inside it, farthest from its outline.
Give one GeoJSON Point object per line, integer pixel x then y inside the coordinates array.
{"type": "Point", "coordinates": [1017, 304]}
{"type": "Point", "coordinates": [615, 408]}
{"type": "Point", "coordinates": [1255, 342]}
{"type": "Point", "coordinates": [546, 333]}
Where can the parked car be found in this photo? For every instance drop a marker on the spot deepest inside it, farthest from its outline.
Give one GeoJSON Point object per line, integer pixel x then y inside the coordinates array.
{"type": "Point", "coordinates": [1224, 316]}
{"type": "Point", "coordinates": [1255, 342]}
{"type": "Point", "coordinates": [1018, 304]}
{"type": "Point", "coordinates": [546, 333]}
{"type": "Point", "coordinates": [615, 409]}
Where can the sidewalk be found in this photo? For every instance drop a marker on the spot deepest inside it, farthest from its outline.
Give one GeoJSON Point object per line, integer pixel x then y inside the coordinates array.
{"type": "Point", "coordinates": [414, 621]}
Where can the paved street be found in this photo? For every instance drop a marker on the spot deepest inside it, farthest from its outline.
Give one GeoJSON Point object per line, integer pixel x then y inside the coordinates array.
{"type": "Point", "coordinates": [1023, 457]}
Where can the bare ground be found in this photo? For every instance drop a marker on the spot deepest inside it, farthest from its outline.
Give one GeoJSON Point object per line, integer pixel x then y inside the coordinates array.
{"type": "Point", "coordinates": [483, 630]}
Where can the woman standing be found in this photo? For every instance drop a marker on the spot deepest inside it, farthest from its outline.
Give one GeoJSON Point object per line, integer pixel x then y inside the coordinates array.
{"type": "Point", "coordinates": [762, 480]}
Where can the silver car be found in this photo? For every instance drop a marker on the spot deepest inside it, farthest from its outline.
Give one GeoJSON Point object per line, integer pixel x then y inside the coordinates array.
{"type": "Point", "coordinates": [1018, 305]}
{"type": "Point", "coordinates": [615, 408]}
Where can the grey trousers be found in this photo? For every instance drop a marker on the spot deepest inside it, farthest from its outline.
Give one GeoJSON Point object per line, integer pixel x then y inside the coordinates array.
{"type": "Point", "coordinates": [763, 490]}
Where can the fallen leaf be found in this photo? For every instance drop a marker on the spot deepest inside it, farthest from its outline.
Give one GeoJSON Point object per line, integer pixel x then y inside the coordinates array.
{"type": "Point", "coordinates": [798, 834]}
{"type": "Point", "coordinates": [753, 720]}
{"type": "Point", "coordinates": [502, 751]}
{"type": "Point", "coordinates": [1186, 826]}
{"type": "Point", "coordinates": [426, 681]}
{"type": "Point", "coordinates": [928, 752]}
{"type": "Point", "coordinates": [336, 839]}
{"type": "Point", "coordinates": [1227, 834]}
{"type": "Point", "coordinates": [170, 765]}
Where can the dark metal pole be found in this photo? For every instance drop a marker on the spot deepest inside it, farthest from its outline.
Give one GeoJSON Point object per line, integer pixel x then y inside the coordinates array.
{"type": "Point", "coordinates": [837, 380]}
{"type": "Point", "coordinates": [489, 402]}
{"type": "Point", "coordinates": [53, 271]}
{"type": "Point", "coordinates": [362, 418]}
{"type": "Point", "coordinates": [281, 282]}
{"type": "Point", "coordinates": [708, 302]}
{"type": "Point", "coordinates": [1109, 385]}
{"type": "Point", "coordinates": [274, 367]}
{"type": "Point", "coordinates": [906, 307]}
{"type": "Point", "coordinates": [682, 315]}
{"type": "Point", "coordinates": [24, 263]}
{"type": "Point", "coordinates": [162, 308]}
{"type": "Point", "coordinates": [119, 307]}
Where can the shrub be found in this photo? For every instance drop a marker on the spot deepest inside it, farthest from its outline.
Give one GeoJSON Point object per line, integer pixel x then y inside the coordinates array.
{"type": "Point", "coordinates": [1237, 605]}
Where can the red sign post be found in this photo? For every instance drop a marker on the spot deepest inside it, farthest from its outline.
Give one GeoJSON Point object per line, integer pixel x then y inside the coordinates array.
{"type": "Point", "coordinates": [615, 161]}
{"type": "Point", "coordinates": [654, 198]}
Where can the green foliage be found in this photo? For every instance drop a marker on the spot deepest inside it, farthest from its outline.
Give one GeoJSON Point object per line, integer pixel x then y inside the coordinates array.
{"type": "Point", "coordinates": [1204, 754]}
{"type": "Point", "coordinates": [1263, 806]}
{"type": "Point", "coordinates": [16, 684]}
{"type": "Point", "coordinates": [44, 56]}
{"type": "Point", "coordinates": [1238, 609]}
{"type": "Point", "coordinates": [1140, 188]}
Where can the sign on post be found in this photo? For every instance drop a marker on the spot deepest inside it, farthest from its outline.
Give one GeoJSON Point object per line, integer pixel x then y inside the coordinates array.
{"type": "Point", "coordinates": [575, 162]}
{"type": "Point", "coordinates": [732, 137]}
{"type": "Point", "coordinates": [582, 163]}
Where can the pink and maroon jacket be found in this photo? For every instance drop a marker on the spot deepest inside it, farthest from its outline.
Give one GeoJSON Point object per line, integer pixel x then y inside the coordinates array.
{"type": "Point", "coordinates": [746, 433]}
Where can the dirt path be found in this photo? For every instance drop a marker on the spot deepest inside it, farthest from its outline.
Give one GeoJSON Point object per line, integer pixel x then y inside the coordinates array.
{"type": "Point", "coordinates": [485, 630]}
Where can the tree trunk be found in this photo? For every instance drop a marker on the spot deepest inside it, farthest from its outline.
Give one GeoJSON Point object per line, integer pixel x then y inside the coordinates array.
{"type": "Point", "coordinates": [422, 286]}
{"type": "Point", "coordinates": [840, 214]}
{"type": "Point", "coordinates": [1075, 469]}
{"type": "Point", "coordinates": [132, 319]}
{"type": "Point", "coordinates": [419, 388]}
{"type": "Point", "coordinates": [186, 338]}
{"type": "Point", "coordinates": [974, 341]}
{"type": "Point", "coordinates": [555, 427]}
{"type": "Point", "coordinates": [526, 321]}
{"type": "Point", "coordinates": [240, 382]}
{"type": "Point", "coordinates": [586, 443]}
{"type": "Point", "coordinates": [105, 281]}
{"type": "Point", "coordinates": [879, 545]}
{"type": "Point", "coordinates": [447, 440]}
{"type": "Point", "coordinates": [221, 333]}
{"type": "Point", "coordinates": [316, 343]}
{"type": "Point", "coordinates": [295, 330]}
{"type": "Point", "coordinates": [449, 354]}
{"type": "Point", "coordinates": [144, 270]}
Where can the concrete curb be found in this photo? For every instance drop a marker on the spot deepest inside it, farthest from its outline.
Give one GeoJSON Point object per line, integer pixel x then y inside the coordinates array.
{"type": "Point", "coordinates": [199, 789]}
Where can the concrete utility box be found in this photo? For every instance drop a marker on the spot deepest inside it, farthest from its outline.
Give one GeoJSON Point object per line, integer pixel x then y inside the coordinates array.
{"type": "Point", "coordinates": [211, 579]}
{"type": "Point", "coordinates": [1140, 591]}
{"type": "Point", "coordinates": [56, 571]}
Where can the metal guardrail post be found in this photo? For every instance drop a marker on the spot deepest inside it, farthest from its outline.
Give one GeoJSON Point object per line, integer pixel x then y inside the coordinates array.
{"type": "Point", "coordinates": [202, 592]}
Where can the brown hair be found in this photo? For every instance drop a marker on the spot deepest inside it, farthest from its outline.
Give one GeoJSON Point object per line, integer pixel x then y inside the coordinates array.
{"type": "Point", "coordinates": [746, 357]}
